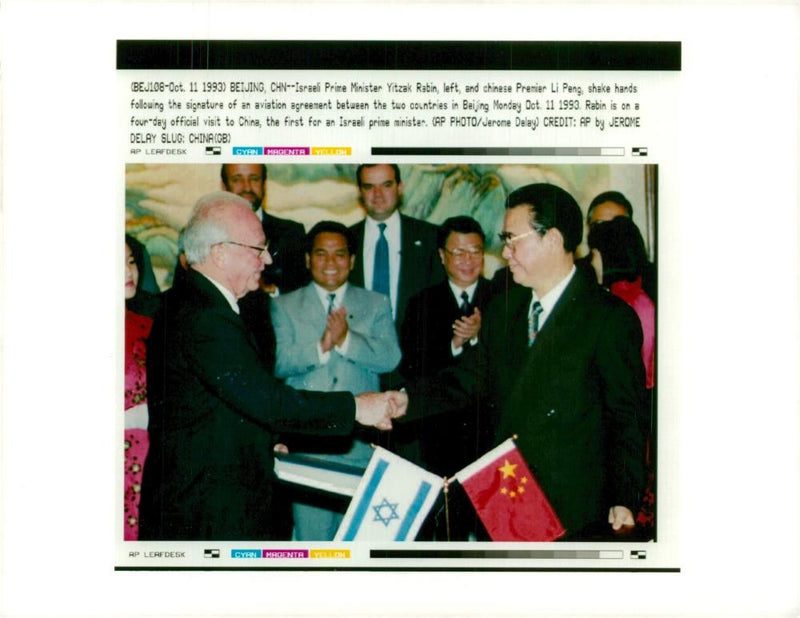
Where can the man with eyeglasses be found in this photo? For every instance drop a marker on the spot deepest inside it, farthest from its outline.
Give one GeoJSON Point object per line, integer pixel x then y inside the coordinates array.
{"type": "Point", "coordinates": [214, 405]}
{"type": "Point", "coordinates": [442, 324]}
{"type": "Point", "coordinates": [286, 272]}
{"type": "Point", "coordinates": [560, 366]}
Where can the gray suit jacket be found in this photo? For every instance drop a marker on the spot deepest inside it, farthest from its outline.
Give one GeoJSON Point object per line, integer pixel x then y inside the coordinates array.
{"type": "Point", "coordinates": [299, 320]}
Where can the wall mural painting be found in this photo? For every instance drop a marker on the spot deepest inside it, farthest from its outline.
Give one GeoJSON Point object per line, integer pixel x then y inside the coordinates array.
{"type": "Point", "coordinates": [159, 198]}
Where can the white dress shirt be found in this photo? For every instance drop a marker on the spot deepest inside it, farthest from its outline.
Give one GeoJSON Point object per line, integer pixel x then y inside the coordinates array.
{"type": "Point", "coordinates": [549, 300]}
{"type": "Point", "coordinates": [225, 292]}
{"type": "Point", "coordinates": [470, 290]}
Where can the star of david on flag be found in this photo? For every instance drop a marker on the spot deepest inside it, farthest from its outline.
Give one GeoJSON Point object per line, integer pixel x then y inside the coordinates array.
{"type": "Point", "coordinates": [507, 497]}
{"type": "Point", "coordinates": [391, 502]}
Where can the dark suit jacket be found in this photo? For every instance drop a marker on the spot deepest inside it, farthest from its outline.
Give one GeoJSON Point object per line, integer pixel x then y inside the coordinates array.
{"type": "Point", "coordinates": [451, 441]}
{"type": "Point", "coordinates": [213, 407]}
{"type": "Point", "coordinates": [287, 246]}
{"type": "Point", "coordinates": [288, 271]}
{"type": "Point", "coordinates": [575, 399]}
{"type": "Point", "coordinates": [420, 265]}
{"type": "Point", "coordinates": [427, 331]}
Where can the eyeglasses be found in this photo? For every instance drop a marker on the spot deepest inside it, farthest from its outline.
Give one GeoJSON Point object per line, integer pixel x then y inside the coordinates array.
{"type": "Point", "coordinates": [508, 239]}
{"type": "Point", "coordinates": [461, 254]}
{"type": "Point", "coordinates": [263, 252]}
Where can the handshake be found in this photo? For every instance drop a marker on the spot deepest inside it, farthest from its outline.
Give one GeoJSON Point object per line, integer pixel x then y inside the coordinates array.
{"type": "Point", "coordinates": [378, 409]}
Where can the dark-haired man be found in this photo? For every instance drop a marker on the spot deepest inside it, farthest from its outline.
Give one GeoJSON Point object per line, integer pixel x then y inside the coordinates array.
{"type": "Point", "coordinates": [395, 255]}
{"type": "Point", "coordinates": [441, 326]}
{"type": "Point", "coordinates": [443, 322]}
{"type": "Point", "coordinates": [412, 261]}
{"type": "Point", "coordinates": [608, 205]}
{"type": "Point", "coordinates": [331, 336]}
{"type": "Point", "coordinates": [562, 369]}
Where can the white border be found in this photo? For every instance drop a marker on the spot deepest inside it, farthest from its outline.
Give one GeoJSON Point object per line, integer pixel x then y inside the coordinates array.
{"type": "Point", "coordinates": [736, 253]}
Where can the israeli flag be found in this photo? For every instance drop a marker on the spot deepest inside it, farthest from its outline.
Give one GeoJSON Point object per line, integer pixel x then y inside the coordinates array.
{"type": "Point", "coordinates": [391, 502]}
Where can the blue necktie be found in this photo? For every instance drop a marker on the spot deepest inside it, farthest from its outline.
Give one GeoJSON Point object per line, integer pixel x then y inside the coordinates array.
{"type": "Point", "coordinates": [331, 298]}
{"type": "Point", "coordinates": [533, 321]}
{"type": "Point", "coordinates": [380, 272]}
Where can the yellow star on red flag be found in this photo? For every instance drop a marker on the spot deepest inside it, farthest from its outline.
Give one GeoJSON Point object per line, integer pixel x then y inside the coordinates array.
{"type": "Point", "coordinates": [508, 469]}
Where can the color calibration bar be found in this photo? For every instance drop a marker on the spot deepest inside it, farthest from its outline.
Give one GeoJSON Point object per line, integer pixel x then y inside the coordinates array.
{"type": "Point", "coordinates": [504, 152]}
{"type": "Point", "coordinates": [282, 554]}
{"type": "Point", "coordinates": [537, 554]}
{"type": "Point", "coordinates": [286, 151]}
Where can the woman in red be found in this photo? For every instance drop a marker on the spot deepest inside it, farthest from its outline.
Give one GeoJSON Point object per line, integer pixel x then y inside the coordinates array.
{"type": "Point", "coordinates": [137, 329]}
{"type": "Point", "coordinates": [619, 259]}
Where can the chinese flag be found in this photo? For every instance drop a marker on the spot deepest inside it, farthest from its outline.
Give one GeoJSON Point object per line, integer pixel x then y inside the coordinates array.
{"type": "Point", "coordinates": [508, 499]}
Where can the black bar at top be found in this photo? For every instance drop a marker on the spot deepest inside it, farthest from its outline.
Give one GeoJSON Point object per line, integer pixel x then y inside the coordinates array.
{"type": "Point", "coordinates": [402, 55]}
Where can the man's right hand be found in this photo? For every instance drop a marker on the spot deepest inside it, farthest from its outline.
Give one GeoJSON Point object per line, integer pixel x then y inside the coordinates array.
{"type": "Point", "coordinates": [378, 409]}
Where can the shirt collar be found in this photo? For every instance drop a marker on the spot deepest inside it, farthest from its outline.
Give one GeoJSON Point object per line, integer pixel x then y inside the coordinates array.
{"type": "Point", "coordinates": [224, 291]}
{"type": "Point", "coordinates": [550, 299]}
{"type": "Point", "coordinates": [392, 222]}
{"type": "Point", "coordinates": [324, 295]}
{"type": "Point", "coordinates": [470, 290]}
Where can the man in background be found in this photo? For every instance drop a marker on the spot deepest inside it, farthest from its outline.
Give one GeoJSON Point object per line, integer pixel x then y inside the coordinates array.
{"type": "Point", "coordinates": [607, 206]}
{"type": "Point", "coordinates": [286, 238]}
{"type": "Point", "coordinates": [441, 326]}
{"type": "Point", "coordinates": [331, 336]}
{"type": "Point", "coordinates": [396, 256]}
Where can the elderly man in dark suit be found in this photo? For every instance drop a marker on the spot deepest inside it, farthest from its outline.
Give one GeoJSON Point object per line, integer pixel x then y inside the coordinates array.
{"type": "Point", "coordinates": [562, 369]}
{"type": "Point", "coordinates": [213, 403]}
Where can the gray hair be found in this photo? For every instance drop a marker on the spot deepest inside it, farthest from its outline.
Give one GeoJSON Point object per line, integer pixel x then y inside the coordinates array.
{"type": "Point", "coordinates": [204, 229]}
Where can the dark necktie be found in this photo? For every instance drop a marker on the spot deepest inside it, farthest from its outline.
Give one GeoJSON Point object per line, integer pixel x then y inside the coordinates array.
{"type": "Point", "coordinates": [331, 298]}
{"type": "Point", "coordinates": [464, 307]}
{"type": "Point", "coordinates": [380, 272]}
{"type": "Point", "coordinates": [533, 321]}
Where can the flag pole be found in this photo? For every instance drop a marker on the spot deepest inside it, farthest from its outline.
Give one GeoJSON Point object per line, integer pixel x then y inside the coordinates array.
{"type": "Point", "coordinates": [446, 507]}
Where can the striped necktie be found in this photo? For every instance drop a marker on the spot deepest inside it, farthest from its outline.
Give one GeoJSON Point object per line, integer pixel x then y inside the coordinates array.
{"type": "Point", "coordinates": [533, 321]}
{"type": "Point", "coordinates": [464, 307]}
{"type": "Point", "coordinates": [331, 299]}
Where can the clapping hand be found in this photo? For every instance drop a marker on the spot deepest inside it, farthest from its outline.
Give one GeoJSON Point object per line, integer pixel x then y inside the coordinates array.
{"type": "Point", "coordinates": [466, 328]}
{"type": "Point", "coordinates": [335, 329]}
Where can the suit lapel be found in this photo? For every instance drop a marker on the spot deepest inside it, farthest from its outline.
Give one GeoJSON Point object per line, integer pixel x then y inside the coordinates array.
{"type": "Point", "coordinates": [357, 274]}
{"type": "Point", "coordinates": [310, 305]}
{"type": "Point", "coordinates": [204, 287]}
{"type": "Point", "coordinates": [561, 316]}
